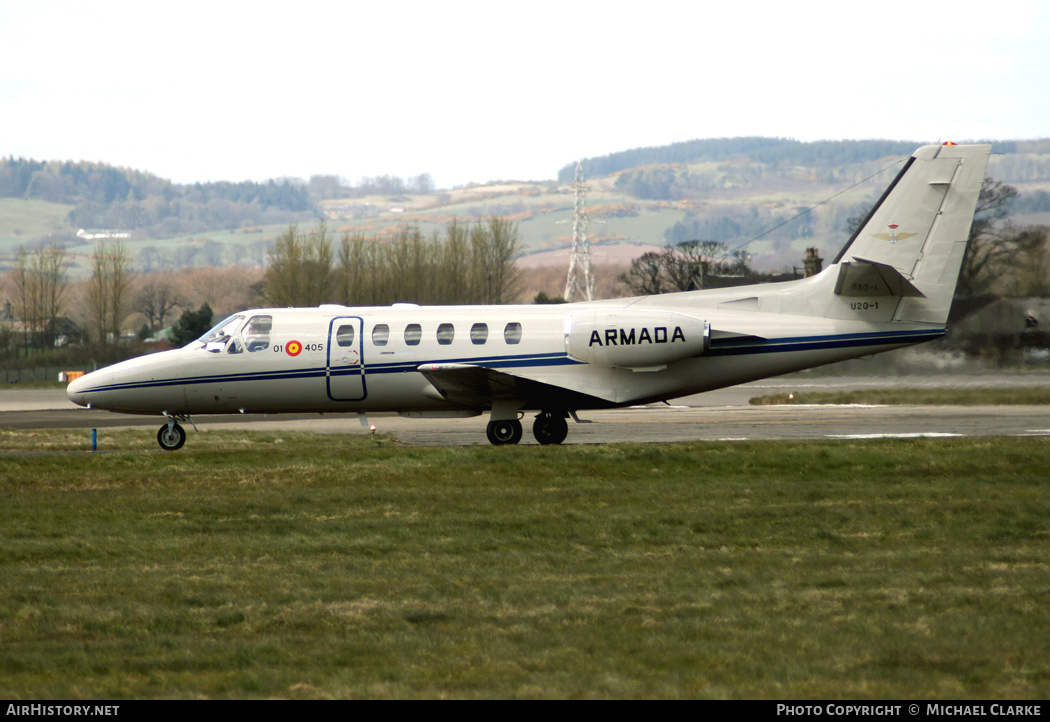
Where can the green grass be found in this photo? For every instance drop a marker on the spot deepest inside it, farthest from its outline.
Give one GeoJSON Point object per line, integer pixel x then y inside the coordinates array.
{"type": "Point", "coordinates": [302, 566]}
{"type": "Point", "coordinates": [966, 396]}
{"type": "Point", "coordinates": [22, 221]}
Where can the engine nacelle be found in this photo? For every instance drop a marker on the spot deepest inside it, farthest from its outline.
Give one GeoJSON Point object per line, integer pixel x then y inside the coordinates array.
{"type": "Point", "coordinates": [634, 339]}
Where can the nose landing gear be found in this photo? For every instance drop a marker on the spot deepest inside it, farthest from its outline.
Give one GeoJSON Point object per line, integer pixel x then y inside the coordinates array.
{"type": "Point", "coordinates": [172, 436]}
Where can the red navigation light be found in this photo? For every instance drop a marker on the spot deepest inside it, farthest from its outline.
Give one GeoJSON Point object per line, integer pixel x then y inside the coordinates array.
{"type": "Point", "coordinates": [947, 142]}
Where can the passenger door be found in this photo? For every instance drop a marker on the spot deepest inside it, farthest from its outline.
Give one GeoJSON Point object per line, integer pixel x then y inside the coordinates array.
{"type": "Point", "coordinates": [345, 374]}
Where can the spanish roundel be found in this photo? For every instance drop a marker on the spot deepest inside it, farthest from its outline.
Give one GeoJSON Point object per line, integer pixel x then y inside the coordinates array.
{"type": "Point", "coordinates": [293, 348]}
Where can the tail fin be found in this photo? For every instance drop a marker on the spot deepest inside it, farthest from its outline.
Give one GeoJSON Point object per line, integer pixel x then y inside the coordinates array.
{"type": "Point", "coordinates": [911, 245]}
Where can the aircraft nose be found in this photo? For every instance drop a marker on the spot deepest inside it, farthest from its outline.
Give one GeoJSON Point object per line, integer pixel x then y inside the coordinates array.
{"type": "Point", "coordinates": [75, 391]}
{"type": "Point", "coordinates": [78, 389]}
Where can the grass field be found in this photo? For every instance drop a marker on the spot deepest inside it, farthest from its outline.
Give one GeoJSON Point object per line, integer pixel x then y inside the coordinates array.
{"type": "Point", "coordinates": [302, 566]}
{"type": "Point", "coordinates": [23, 221]}
{"type": "Point", "coordinates": [963, 396]}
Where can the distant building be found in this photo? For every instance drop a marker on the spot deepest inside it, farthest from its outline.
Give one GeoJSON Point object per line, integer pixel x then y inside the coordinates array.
{"type": "Point", "coordinates": [97, 235]}
{"type": "Point", "coordinates": [812, 263]}
{"type": "Point", "coordinates": [701, 279]}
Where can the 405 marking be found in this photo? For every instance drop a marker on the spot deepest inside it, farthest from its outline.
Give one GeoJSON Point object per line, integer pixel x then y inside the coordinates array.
{"type": "Point", "coordinates": [294, 348]}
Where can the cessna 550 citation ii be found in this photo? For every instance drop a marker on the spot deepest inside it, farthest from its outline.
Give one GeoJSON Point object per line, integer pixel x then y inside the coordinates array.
{"type": "Point", "coordinates": [890, 287]}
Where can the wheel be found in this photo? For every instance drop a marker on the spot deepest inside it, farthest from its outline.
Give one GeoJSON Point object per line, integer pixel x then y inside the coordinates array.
{"type": "Point", "coordinates": [171, 440]}
{"type": "Point", "coordinates": [504, 432]}
{"type": "Point", "coordinates": [550, 428]}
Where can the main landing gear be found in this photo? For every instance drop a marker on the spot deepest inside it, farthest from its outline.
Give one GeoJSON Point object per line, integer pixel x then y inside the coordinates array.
{"type": "Point", "coordinates": [504, 431]}
{"type": "Point", "coordinates": [549, 427]}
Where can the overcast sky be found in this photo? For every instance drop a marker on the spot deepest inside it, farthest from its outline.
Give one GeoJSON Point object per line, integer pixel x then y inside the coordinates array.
{"type": "Point", "coordinates": [479, 91]}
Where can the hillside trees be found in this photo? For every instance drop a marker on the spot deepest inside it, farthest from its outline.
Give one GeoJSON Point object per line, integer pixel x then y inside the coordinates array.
{"type": "Point", "coordinates": [109, 197]}
{"type": "Point", "coordinates": [469, 264]}
{"type": "Point", "coordinates": [770, 151]}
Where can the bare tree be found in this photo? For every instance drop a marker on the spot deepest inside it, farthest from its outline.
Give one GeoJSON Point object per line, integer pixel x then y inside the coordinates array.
{"type": "Point", "coordinates": [996, 246]}
{"type": "Point", "coordinates": [300, 269]}
{"type": "Point", "coordinates": [40, 290]}
{"type": "Point", "coordinates": [683, 267]}
{"type": "Point", "coordinates": [646, 274]}
{"type": "Point", "coordinates": [156, 299]}
{"type": "Point", "coordinates": [351, 272]}
{"type": "Point", "coordinates": [468, 264]}
{"type": "Point", "coordinates": [497, 244]}
{"type": "Point", "coordinates": [454, 278]}
{"type": "Point", "coordinates": [109, 291]}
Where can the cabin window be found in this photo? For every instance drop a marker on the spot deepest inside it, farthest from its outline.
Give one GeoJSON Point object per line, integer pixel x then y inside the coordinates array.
{"type": "Point", "coordinates": [257, 333]}
{"type": "Point", "coordinates": [479, 333]}
{"type": "Point", "coordinates": [445, 333]}
{"type": "Point", "coordinates": [380, 334]}
{"type": "Point", "coordinates": [413, 333]}
{"type": "Point", "coordinates": [344, 335]}
{"type": "Point", "coordinates": [512, 333]}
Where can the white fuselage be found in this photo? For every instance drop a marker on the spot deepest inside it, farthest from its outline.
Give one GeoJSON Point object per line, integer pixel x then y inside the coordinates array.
{"type": "Point", "coordinates": [574, 356]}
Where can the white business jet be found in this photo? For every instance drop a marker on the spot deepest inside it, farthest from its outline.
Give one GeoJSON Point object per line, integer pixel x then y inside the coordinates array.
{"type": "Point", "coordinates": [890, 287]}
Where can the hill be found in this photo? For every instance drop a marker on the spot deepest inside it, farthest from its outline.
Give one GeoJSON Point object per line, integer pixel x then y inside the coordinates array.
{"type": "Point", "coordinates": [728, 190]}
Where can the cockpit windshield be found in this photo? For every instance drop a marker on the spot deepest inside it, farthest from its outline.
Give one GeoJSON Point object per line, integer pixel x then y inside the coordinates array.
{"type": "Point", "coordinates": [234, 335]}
{"type": "Point", "coordinates": [217, 337]}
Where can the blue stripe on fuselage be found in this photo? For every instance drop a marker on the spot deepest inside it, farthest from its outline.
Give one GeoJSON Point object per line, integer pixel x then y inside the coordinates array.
{"type": "Point", "coordinates": [719, 348]}
{"type": "Point", "coordinates": [730, 347]}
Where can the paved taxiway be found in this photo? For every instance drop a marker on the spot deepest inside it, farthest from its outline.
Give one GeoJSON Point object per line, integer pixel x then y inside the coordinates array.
{"type": "Point", "coordinates": [723, 414]}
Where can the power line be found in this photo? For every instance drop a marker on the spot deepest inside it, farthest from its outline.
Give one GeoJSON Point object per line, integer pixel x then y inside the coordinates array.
{"type": "Point", "coordinates": [802, 213]}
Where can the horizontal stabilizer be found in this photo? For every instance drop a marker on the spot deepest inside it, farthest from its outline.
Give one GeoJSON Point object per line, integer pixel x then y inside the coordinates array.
{"type": "Point", "coordinates": [861, 277]}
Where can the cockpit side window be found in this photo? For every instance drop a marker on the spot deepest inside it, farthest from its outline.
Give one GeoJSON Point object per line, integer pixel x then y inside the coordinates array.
{"type": "Point", "coordinates": [257, 333]}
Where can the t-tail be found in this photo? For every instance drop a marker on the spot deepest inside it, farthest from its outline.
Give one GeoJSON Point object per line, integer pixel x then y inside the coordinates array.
{"type": "Point", "coordinates": [906, 256]}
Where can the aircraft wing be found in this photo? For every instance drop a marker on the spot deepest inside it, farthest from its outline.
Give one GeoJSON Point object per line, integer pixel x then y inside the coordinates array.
{"type": "Point", "coordinates": [556, 386]}
{"type": "Point", "coordinates": [477, 386]}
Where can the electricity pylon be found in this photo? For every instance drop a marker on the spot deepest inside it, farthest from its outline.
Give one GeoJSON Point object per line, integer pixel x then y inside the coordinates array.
{"type": "Point", "coordinates": [580, 279]}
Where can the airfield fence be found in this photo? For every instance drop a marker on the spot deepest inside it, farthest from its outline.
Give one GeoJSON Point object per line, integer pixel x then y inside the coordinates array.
{"type": "Point", "coordinates": [40, 373]}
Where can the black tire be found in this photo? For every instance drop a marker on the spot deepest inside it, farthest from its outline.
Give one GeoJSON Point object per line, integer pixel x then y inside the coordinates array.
{"type": "Point", "coordinates": [173, 440]}
{"type": "Point", "coordinates": [504, 432]}
{"type": "Point", "coordinates": [550, 428]}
